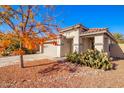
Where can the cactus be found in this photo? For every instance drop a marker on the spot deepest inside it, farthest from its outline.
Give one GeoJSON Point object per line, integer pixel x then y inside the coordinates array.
{"type": "Point", "coordinates": [73, 57]}
{"type": "Point", "coordinates": [92, 58]}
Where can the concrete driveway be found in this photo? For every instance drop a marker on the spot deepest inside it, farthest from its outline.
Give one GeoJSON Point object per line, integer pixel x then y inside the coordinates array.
{"type": "Point", "coordinates": [5, 61]}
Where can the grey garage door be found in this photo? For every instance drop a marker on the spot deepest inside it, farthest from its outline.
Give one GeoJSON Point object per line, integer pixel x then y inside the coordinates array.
{"type": "Point", "coordinates": [50, 50]}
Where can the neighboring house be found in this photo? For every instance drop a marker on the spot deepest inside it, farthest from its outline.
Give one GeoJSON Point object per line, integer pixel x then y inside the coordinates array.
{"type": "Point", "coordinates": [79, 38]}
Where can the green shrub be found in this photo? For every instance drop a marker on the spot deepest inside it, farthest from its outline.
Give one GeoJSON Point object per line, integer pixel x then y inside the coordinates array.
{"type": "Point", "coordinates": [91, 58]}
{"type": "Point", "coordinates": [73, 57]}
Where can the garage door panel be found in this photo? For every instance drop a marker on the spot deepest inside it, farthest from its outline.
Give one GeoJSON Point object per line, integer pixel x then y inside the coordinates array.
{"type": "Point", "coordinates": [50, 50]}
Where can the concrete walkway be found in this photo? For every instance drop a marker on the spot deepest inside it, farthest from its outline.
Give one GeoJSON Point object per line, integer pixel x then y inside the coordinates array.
{"type": "Point", "coordinates": [5, 61]}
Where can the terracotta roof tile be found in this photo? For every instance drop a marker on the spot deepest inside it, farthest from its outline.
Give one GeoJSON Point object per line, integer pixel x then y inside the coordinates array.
{"type": "Point", "coordinates": [95, 30]}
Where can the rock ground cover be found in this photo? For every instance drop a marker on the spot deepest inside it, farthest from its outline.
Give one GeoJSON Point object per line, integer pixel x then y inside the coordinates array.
{"type": "Point", "coordinates": [48, 73]}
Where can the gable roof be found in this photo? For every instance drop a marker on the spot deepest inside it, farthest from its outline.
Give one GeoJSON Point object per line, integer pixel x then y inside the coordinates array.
{"type": "Point", "coordinates": [73, 27]}
{"type": "Point", "coordinates": [89, 31]}
{"type": "Point", "coordinates": [94, 31]}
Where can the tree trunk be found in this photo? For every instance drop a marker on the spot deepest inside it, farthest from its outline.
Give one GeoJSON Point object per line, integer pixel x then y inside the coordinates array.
{"type": "Point", "coordinates": [21, 57]}
{"type": "Point", "coordinates": [21, 61]}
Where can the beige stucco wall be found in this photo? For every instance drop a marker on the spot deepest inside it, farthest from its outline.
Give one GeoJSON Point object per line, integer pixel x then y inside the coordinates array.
{"type": "Point", "coordinates": [74, 34]}
{"type": "Point", "coordinates": [59, 49]}
{"type": "Point", "coordinates": [79, 44]}
{"type": "Point", "coordinates": [99, 42]}
{"type": "Point", "coordinates": [106, 44]}
{"type": "Point", "coordinates": [117, 50]}
{"type": "Point", "coordinates": [63, 49]}
{"type": "Point", "coordinates": [66, 46]}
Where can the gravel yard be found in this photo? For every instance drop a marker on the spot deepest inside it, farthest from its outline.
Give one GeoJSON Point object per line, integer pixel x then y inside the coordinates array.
{"type": "Point", "coordinates": [48, 73]}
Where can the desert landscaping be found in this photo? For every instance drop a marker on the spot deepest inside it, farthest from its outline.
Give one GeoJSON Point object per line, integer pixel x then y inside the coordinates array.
{"type": "Point", "coordinates": [40, 47]}
{"type": "Point", "coordinates": [51, 74]}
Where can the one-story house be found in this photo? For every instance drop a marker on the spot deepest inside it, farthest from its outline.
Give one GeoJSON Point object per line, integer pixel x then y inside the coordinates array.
{"type": "Point", "coordinates": [80, 38]}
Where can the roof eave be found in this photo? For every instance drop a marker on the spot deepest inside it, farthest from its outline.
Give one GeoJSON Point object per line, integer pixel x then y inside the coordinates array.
{"type": "Point", "coordinates": [73, 27]}
{"type": "Point", "coordinates": [92, 33]}
{"type": "Point", "coordinates": [101, 32]}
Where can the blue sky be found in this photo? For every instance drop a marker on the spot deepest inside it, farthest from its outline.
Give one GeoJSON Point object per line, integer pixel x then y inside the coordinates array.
{"type": "Point", "coordinates": [94, 16]}
{"type": "Point", "coordinates": [111, 17]}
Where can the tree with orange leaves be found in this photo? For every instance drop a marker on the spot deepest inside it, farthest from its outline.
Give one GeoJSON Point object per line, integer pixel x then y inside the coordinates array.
{"type": "Point", "coordinates": [26, 28]}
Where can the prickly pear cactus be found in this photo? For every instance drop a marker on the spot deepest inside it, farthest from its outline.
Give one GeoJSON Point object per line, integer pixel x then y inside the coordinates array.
{"type": "Point", "coordinates": [91, 58]}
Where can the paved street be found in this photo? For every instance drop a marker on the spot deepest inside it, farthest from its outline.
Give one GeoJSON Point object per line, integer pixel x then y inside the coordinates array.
{"type": "Point", "coordinates": [5, 61]}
